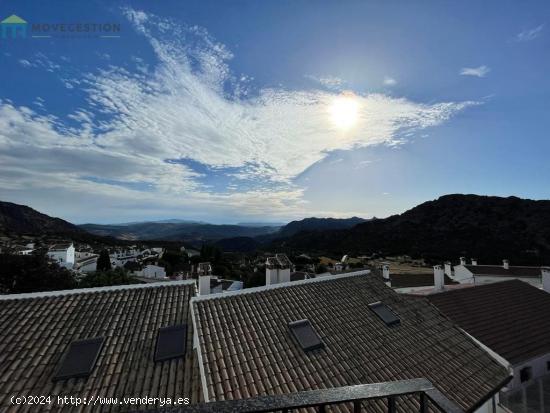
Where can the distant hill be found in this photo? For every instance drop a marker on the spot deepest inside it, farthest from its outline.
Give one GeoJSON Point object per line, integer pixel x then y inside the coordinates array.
{"type": "Point", "coordinates": [22, 220]}
{"type": "Point", "coordinates": [238, 244]}
{"type": "Point", "coordinates": [484, 227]}
{"type": "Point", "coordinates": [318, 224]}
{"type": "Point", "coordinates": [189, 232]}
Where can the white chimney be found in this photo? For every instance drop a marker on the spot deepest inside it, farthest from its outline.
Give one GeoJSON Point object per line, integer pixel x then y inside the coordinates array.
{"type": "Point", "coordinates": [204, 284]}
{"type": "Point", "coordinates": [506, 264]}
{"type": "Point", "coordinates": [448, 269]}
{"type": "Point", "coordinates": [386, 272]}
{"type": "Point", "coordinates": [474, 261]}
{"type": "Point", "coordinates": [462, 260]}
{"type": "Point", "coordinates": [545, 279]}
{"type": "Point", "coordinates": [277, 269]}
{"type": "Point", "coordinates": [439, 278]}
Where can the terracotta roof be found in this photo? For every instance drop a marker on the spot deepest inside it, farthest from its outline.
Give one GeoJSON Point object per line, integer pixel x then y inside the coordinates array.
{"type": "Point", "coordinates": [512, 318]}
{"type": "Point", "coordinates": [37, 329]}
{"type": "Point", "coordinates": [500, 271]}
{"type": "Point", "coordinates": [247, 349]}
{"type": "Point", "coordinates": [415, 280]}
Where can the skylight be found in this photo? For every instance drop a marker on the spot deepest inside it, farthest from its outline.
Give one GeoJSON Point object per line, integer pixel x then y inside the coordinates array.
{"type": "Point", "coordinates": [80, 359]}
{"type": "Point", "coordinates": [384, 313]}
{"type": "Point", "coordinates": [306, 336]}
{"type": "Point", "coordinates": [171, 342]}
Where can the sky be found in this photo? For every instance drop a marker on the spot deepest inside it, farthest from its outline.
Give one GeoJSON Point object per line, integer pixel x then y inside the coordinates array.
{"type": "Point", "coordinates": [231, 111]}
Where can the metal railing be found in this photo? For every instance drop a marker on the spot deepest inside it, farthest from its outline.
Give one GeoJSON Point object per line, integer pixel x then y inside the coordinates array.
{"type": "Point", "coordinates": [322, 398]}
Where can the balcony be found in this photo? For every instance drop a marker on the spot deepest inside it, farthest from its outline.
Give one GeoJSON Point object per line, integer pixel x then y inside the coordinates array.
{"type": "Point", "coordinates": [429, 399]}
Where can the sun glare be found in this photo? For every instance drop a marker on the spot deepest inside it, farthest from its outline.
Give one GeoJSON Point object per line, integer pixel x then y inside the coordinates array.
{"type": "Point", "coordinates": [344, 111]}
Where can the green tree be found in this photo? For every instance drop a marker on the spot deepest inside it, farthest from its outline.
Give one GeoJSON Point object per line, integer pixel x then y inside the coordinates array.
{"type": "Point", "coordinates": [104, 261]}
{"type": "Point", "coordinates": [32, 273]}
{"type": "Point", "coordinates": [106, 278]}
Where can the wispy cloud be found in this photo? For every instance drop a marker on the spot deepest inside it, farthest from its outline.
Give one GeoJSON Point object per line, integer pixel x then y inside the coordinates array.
{"type": "Point", "coordinates": [389, 81]}
{"type": "Point", "coordinates": [530, 34]}
{"type": "Point", "coordinates": [330, 82]}
{"type": "Point", "coordinates": [140, 139]}
{"type": "Point", "coordinates": [480, 71]}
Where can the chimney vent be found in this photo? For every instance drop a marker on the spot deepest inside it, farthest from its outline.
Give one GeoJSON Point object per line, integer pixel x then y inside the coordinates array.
{"type": "Point", "coordinates": [474, 261]}
{"type": "Point", "coordinates": [448, 269]}
{"type": "Point", "coordinates": [386, 272]}
{"type": "Point", "coordinates": [506, 264]}
{"type": "Point", "coordinates": [545, 279]}
{"type": "Point", "coordinates": [462, 260]}
{"type": "Point", "coordinates": [439, 278]}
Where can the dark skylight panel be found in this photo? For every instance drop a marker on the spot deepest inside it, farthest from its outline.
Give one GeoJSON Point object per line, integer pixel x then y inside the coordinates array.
{"type": "Point", "coordinates": [305, 334]}
{"type": "Point", "coordinates": [80, 359]}
{"type": "Point", "coordinates": [385, 313]}
{"type": "Point", "coordinates": [171, 342]}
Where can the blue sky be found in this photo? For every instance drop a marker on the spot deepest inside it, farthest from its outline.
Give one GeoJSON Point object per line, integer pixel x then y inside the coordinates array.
{"type": "Point", "coordinates": [272, 110]}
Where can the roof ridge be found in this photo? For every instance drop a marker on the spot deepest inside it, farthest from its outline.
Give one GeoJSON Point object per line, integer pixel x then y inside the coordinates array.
{"type": "Point", "coordinates": [58, 293]}
{"type": "Point", "coordinates": [227, 294]}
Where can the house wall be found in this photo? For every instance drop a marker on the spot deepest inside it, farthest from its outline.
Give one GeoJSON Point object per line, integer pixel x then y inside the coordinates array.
{"type": "Point", "coordinates": [463, 275]}
{"type": "Point", "coordinates": [539, 368]}
{"type": "Point", "coordinates": [153, 271]}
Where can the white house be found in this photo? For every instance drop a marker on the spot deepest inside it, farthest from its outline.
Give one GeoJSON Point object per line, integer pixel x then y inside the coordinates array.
{"type": "Point", "coordinates": [86, 264]}
{"type": "Point", "coordinates": [153, 271]}
{"type": "Point", "coordinates": [63, 254]}
{"type": "Point", "coordinates": [474, 273]}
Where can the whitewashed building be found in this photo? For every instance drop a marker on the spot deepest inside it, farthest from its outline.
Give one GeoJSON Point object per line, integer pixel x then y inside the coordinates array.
{"type": "Point", "coordinates": [63, 254]}
{"type": "Point", "coordinates": [474, 273]}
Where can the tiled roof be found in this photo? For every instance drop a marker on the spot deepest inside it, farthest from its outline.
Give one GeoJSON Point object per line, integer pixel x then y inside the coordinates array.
{"type": "Point", "coordinates": [247, 349]}
{"type": "Point", "coordinates": [500, 271]}
{"type": "Point", "coordinates": [512, 318]}
{"type": "Point", "coordinates": [36, 330]}
{"type": "Point", "coordinates": [415, 280]}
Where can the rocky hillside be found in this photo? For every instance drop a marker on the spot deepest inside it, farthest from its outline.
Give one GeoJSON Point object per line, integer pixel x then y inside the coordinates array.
{"type": "Point", "coordinates": [488, 228]}
{"type": "Point", "coordinates": [23, 220]}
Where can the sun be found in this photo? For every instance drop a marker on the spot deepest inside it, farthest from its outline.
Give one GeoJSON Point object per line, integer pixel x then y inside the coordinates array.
{"type": "Point", "coordinates": [344, 111]}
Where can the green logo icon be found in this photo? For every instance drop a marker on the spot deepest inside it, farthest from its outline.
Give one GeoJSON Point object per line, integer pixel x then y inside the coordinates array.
{"type": "Point", "coordinates": [14, 25]}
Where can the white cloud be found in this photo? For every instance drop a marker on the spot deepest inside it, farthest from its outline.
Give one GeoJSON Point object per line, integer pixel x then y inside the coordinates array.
{"type": "Point", "coordinates": [190, 106]}
{"type": "Point", "coordinates": [330, 82]}
{"type": "Point", "coordinates": [480, 71]}
{"type": "Point", "coordinates": [25, 63]}
{"type": "Point", "coordinates": [529, 34]}
{"type": "Point", "coordinates": [389, 81]}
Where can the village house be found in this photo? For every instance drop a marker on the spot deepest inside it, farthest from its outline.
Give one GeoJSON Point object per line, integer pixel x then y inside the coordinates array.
{"type": "Point", "coordinates": [475, 273]}
{"type": "Point", "coordinates": [63, 254]}
{"type": "Point", "coordinates": [313, 341]}
{"type": "Point", "coordinates": [510, 319]}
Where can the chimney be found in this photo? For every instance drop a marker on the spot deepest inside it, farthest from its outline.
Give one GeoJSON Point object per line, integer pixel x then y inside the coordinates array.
{"type": "Point", "coordinates": [439, 278]}
{"type": "Point", "coordinates": [204, 284]}
{"type": "Point", "coordinates": [545, 279]}
{"type": "Point", "coordinates": [386, 272]}
{"type": "Point", "coordinates": [277, 269]}
{"type": "Point", "coordinates": [506, 264]}
{"type": "Point", "coordinates": [462, 260]}
{"type": "Point", "coordinates": [448, 269]}
{"type": "Point", "coordinates": [474, 261]}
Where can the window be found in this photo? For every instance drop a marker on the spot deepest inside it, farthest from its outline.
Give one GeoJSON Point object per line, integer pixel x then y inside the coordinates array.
{"type": "Point", "coordinates": [306, 336]}
{"type": "Point", "coordinates": [384, 313]}
{"type": "Point", "coordinates": [80, 359]}
{"type": "Point", "coordinates": [171, 342]}
{"type": "Point", "coordinates": [525, 374]}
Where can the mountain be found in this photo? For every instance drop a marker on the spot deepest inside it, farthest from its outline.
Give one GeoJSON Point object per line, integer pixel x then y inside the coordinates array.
{"type": "Point", "coordinates": [261, 224]}
{"type": "Point", "coordinates": [22, 220]}
{"type": "Point", "coordinates": [189, 232]}
{"type": "Point", "coordinates": [485, 227]}
{"type": "Point", "coordinates": [238, 244]}
{"type": "Point", "coordinates": [318, 224]}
